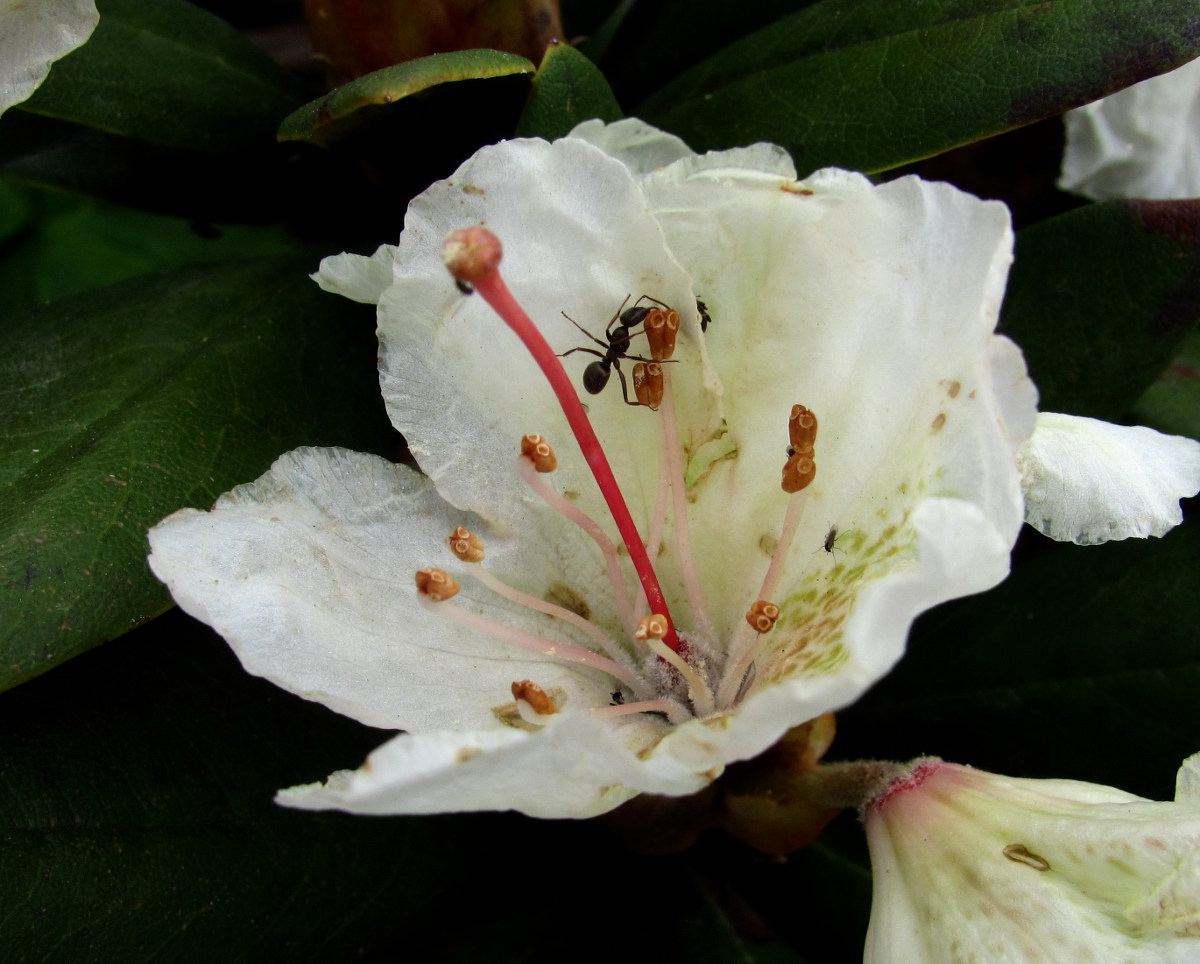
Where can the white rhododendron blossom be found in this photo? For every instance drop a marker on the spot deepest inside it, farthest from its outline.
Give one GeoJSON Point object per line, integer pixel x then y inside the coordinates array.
{"type": "Point", "coordinates": [970, 866]}
{"type": "Point", "coordinates": [1141, 142]}
{"type": "Point", "coordinates": [825, 325]}
{"type": "Point", "coordinates": [33, 35]}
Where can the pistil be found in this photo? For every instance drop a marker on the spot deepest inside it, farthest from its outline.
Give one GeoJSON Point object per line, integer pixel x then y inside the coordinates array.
{"type": "Point", "coordinates": [473, 256]}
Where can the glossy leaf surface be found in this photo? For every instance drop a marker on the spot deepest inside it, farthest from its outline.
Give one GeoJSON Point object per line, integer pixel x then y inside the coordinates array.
{"type": "Point", "coordinates": [123, 405]}
{"type": "Point", "coordinates": [873, 84]}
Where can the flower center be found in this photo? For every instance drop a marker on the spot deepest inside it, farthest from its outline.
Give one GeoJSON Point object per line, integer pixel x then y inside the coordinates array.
{"type": "Point", "coordinates": [673, 670]}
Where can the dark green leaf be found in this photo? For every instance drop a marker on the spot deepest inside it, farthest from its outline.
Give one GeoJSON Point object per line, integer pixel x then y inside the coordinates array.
{"type": "Point", "coordinates": [168, 72]}
{"type": "Point", "coordinates": [1100, 298]}
{"type": "Point", "coordinates": [120, 406]}
{"type": "Point", "coordinates": [1083, 664]}
{"type": "Point", "coordinates": [137, 825]}
{"type": "Point", "coordinates": [872, 84]}
{"type": "Point", "coordinates": [1172, 404]}
{"type": "Point", "coordinates": [16, 210]}
{"type": "Point", "coordinates": [270, 186]}
{"type": "Point", "coordinates": [372, 98]}
{"type": "Point", "coordinates": [628, 46]}
{"type": "Point", "coordinates": [75, 245]}
{"type": "Point", "coordinates": [567, 89]}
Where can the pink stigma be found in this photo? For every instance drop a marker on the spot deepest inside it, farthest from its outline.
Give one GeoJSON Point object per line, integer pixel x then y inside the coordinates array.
{"type": "Point", "coordinates": [473, 256]}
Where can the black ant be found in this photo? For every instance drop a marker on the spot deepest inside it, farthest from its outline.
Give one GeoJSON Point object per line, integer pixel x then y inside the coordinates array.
{"type": "Point", "coordinates": [705, 320]}
{"type": "Point", "coordinates": [618, 335]}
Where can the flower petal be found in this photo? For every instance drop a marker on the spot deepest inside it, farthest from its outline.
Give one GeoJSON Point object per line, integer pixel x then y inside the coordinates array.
{"type": "Point", "coordinates": [575, 766]}
{"type": "Point", "coordinates": [827, 656]}
{"type": "Point", "coordinates": [33, 35]}
{"type": "Point", "coordinates": [970, 865]}
{"type": "Point", "coordinates": [874, 307]}
{"type": "Point", "coordinates": [634, 143]}
{"type": "Point", "coordinates": [645, 149]}
{"type": "Point", "coordinates": [1142, 142]}
{"type": "Point", "coordinates": [308, 573]}
{"type": "Point", "coordinates": [461, 387]}
{"type": "Point", "coordinates": [1088, 481]}
{"type": "Point", "coordinates": [356, 277]}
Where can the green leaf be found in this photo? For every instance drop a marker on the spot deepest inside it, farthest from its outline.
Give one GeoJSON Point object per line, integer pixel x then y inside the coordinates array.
{"type": "Point", "coordinates": [628, 46]}
{"type": "Point", "coordinates": [1100, 298]}
{"type": "Point", "coordinates": [137, 825]}
{"type": "Point", "coordinates": [1082, 665]}
{"type": "Point", "coordinates": [75, 245]}
{"type": "Point", "coordinates": [873, 84]}
{"type": "Point", "coordinates": [567, 89]}
{"type": "Point", "coordinates": [120, 406]}
{"type": "Point", "coordinates": [168, 72]}
{"type": "Point", "coordinates": [373, 98]}
{"type": "Point", "coordinates": [1172, 404]}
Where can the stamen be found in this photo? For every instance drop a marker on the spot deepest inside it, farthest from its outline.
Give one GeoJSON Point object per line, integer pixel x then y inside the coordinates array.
{"type": "Point", "coordinates": [698, 691]}
{"type": "Point", "coordinates": [529, 692]}
{"type": "Point", "coordinates": [620, 594]}
{"type": "Point", "coordinates": [467, 546]}
{"type": "Point", "coordinates": [679, 511]}
{"type": "Point", "coordinates": [798, 473]}
{"type": "Point", "coordinates": [661, 327]}
{"type": "Point", "coordinates": [762, 616]}
{"type": "Point", "coordinates": [538, 451]}
{"type": "Point", "coordinates": [512, 594]}
{"type": "Point", "coordinates": [648, 384]}
{"type": "Point", "coordinates": [537, 644]}
{"type": "Point", "coordinates": [473, 255]}
{"type": "Point", "coordinates": [659, 519]}
{"type": "Point", "coordinates": [436, 585]}
{"type": "Point", "coordinates": [676, 712]}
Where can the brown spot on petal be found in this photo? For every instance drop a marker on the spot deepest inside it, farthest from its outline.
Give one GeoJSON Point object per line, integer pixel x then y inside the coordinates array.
{"type": "Point", "coordinates": [1021, 854]}
{"type": "Point", "coordinates": [467, 753]}
{"type": "Point", "coordinates": [939, 422]}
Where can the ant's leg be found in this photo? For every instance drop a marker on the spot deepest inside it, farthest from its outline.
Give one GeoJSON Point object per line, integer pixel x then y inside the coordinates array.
{"type": "Point", "coordinates": [616, 319]}
{"type": "Point", "coordinates": [602, 344]}
{"type": "Point", "coordinates": [624, 386]}
{"type": "Point", "coordinates": [590, 351]}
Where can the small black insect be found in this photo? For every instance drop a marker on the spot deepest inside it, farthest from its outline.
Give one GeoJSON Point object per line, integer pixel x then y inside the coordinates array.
{"type": "Point", "coordinates": [464, 286]}
{"type": "Point", "coordinates": [831, 538]}
{"type": "Point", "coordinates": [705, 319]}
{"type": "Point", "coordinates": [618, 698]}
{"type": "Point", "coordinates": [618, 333]}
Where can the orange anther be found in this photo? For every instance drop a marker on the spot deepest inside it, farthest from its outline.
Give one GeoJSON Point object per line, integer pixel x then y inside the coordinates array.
{"type": "Point", "coordinates": [661, 326]}
{"type": "Point", "coordinates": [648, 384]}
{"type": "Point", "coordinates": [535, 696]}
{"type": "Point", "coordinates": [436, 584]}
{"type": "Point", "coordinates": [762, 615]}
{"type": "Point", "coordinates": [652, 627]}
{"type": "Point", "coordinates": [799, 471]}
{"type": "Point", "coordinates": [538, 451]}
{"type": "Point", "coordinates": [802, 429]}
{"type": "Point", "coordinates": [466, 545]}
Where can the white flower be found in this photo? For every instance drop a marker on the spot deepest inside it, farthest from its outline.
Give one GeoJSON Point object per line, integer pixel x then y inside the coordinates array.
{"type": "Point", "coordinates": [874, 307]}
{"type": "Point", "coordinates": [970, 866]}
{"type": "Point", "coordinates": [33, 35]}
{"type": "Point", "coordinates": [1141, 142]}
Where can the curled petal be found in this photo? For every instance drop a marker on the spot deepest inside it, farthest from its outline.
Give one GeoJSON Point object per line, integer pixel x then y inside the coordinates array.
{"type": "Point", "coordinates": [574, 766]}
{"type": "Point", "coordinates": [1142, 142]}
{"type": "Point", "coordinates": [356, 277]}
{"type": "Point", "coordinates": [1088, 481]}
